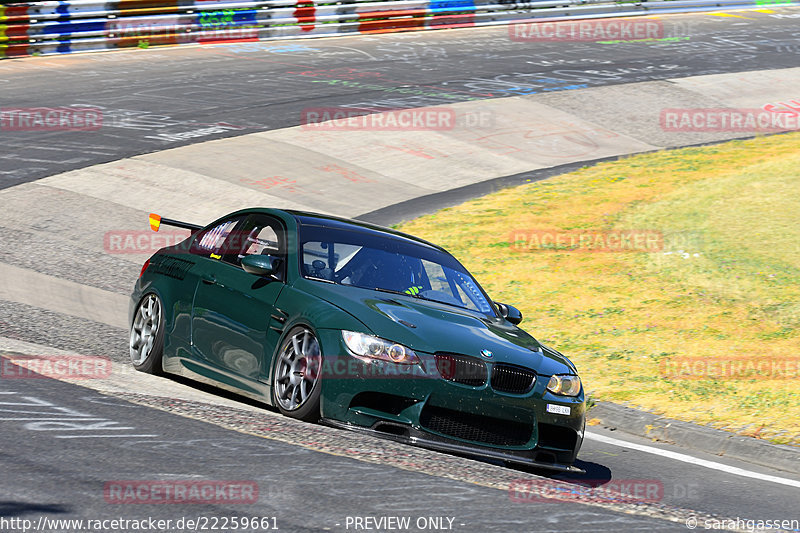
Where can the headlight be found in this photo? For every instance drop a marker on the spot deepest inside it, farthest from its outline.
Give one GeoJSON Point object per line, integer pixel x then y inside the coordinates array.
{"type": "Point", "coordinates": [564, 385]}
{"type": "Point", "coordinates": [376, 348]}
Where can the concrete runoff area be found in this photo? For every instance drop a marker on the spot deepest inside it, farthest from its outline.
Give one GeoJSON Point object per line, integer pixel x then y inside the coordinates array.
{"type": "Point", "coordinates": [352, 172]}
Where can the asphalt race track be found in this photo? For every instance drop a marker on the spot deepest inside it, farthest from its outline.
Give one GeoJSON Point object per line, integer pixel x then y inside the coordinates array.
{"type": "Point", "coordinates": [304, 490]}
{"type": "Point", "coordinates": [148, 95]}
{"type": "Point", "coordinates": [61, 443]}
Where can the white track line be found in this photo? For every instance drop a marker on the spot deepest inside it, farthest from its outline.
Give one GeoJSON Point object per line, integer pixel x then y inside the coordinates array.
{"type": "Point", "coordinates": [82, 419]}
{"type": "Point", "coordinates": [100, 436]}
{"type": "Point", "coordinates": [692, 460]}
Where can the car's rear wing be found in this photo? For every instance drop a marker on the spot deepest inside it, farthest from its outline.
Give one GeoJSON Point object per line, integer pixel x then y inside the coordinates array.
{"type": "Point", "coordinates": [156, 221]}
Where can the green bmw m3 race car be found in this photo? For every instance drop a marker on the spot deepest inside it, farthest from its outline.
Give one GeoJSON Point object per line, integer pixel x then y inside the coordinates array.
{"type": "Point", "coordinates": [357, 326]}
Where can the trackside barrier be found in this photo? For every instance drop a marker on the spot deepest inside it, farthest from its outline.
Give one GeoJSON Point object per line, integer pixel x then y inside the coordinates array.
{"type": "Point", "coordinates": [60, 27]}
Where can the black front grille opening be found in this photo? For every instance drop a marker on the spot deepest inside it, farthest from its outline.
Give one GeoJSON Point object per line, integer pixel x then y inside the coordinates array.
{"type": "Point", "coordinates": [462, 369]}
{"type": "Point", "coordinates": [392, 429]}
{"type": "Point", "coordinates": [386, 403]}
{"type": "Point", "coordinates": [559, 437]}
{"type": "Point", "coordinates": [512, 379]}
{"type": "Point", "coordinates": [475, 428]}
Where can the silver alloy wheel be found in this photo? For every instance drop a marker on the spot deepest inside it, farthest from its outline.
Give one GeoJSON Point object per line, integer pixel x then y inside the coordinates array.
{"type": "Point", "coordinates": [297, 370]}
{"type": "Point", "coordinates": [145, 329]}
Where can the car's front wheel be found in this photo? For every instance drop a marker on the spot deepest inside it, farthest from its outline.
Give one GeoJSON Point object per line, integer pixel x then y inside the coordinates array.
{"type": "Point", "coordinates": [147, 335]}
{"type": "Point", "coordinates": [297, 382]}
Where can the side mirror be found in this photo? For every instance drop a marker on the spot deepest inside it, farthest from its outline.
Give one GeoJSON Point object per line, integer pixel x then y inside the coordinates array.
{"type": "Point", "coordinates": [259, 265]}
{"type": "Point", "coordinates": [510, 313]}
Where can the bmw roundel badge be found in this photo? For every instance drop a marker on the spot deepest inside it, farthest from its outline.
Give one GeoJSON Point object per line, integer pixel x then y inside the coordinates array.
{"type": "Point", "coordinates": [487, 354]}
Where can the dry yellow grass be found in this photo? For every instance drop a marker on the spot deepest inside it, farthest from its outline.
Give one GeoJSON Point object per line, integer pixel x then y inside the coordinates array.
{"type": "Point", "coordinates": [729, 286]}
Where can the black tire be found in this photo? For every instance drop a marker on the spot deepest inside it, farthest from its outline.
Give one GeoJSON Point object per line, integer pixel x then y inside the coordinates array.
{"type": "Point", "coordinates": [146, 343]}
{"type": "Point", "coordinates": [296, 375]}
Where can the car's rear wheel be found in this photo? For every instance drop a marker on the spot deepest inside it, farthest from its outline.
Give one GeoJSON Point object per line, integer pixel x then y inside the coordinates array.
{"type": "Point", "coordinates": [297, 382]}
{"type": "Point", "coordinates": [147, 335]}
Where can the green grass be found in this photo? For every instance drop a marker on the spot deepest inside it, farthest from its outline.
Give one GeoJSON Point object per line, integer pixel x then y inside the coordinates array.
{"type": "Point", "coordinates": [727, 281]}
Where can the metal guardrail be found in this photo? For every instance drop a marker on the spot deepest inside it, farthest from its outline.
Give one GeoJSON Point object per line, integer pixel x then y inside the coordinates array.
{"type": "Point", "coordinates": [58, 27]}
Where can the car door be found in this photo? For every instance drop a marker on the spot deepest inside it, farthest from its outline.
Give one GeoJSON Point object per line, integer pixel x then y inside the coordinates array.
{"type": "Point", "coordinates": [232, 309]}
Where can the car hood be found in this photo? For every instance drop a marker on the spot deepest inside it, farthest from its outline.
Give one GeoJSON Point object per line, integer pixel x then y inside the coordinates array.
{"type": "Point", "coordinates": [431, 327]}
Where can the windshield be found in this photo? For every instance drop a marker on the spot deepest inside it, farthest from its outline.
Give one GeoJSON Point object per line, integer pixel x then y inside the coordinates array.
{"type": "Point", "coordinates": [390, 264]}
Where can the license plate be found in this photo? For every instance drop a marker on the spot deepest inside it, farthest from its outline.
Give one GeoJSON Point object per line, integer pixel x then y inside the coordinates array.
{"type": "Point", "coordinates": [558, 409]}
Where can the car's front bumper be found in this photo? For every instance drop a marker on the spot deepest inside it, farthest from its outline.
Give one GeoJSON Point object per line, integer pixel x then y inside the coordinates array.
{"type": "Point", "coordinates": [422, 408]}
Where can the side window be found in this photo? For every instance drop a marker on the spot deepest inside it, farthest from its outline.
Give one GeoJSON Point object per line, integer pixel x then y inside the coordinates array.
{"type": "Point", "coordinates": [210, 241]}
{"type": "Point", "coordinates": [262, 241]}
{"type": "Point", "coordinates": [258, 235]}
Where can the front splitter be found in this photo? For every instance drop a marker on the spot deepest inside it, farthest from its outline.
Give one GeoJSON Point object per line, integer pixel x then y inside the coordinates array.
{"type": "Point", "coordinates": [452, 447]}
